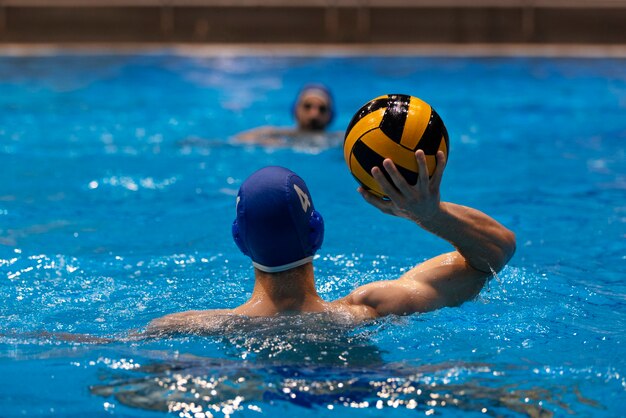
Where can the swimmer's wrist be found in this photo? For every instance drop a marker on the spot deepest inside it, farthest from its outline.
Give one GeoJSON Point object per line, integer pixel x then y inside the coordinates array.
{"type": "Point", "coordinates": [431, 218]}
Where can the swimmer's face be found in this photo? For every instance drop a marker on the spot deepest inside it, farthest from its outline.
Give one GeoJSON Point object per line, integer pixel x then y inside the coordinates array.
{"type": "Point", "coordinates": [312, 113]}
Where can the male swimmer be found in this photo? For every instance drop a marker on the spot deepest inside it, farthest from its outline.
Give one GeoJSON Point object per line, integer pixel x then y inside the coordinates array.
{"type": "Point", "coordinates": [278, 227]}
{"type": "Point", "coordinates": [313, 110]}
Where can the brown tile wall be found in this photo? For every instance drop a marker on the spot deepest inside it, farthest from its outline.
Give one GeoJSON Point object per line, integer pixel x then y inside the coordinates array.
{"type": "Point", "coordinates": [313, 25]}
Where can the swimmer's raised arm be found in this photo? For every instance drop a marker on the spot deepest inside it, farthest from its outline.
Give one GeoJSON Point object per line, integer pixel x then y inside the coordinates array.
{"type": "Point", "coordinates": [483, 246]}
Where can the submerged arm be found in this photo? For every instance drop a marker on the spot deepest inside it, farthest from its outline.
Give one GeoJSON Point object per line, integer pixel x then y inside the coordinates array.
{"type": "Point", "coordinates": [190, 322]}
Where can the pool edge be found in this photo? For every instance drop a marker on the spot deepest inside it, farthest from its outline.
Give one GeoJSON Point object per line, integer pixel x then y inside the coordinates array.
{"type": "Point", "coordinates": [446, 50]}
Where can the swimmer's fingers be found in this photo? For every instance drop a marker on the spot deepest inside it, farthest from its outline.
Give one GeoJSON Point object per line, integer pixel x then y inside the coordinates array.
{"type": "Point", "coordinates": [422, 170]}
{"type": "Point", "coordinates": [384, 205]}
{"type": "Point", "coordinates": [398, 179]}
{"type": "Point", "coordinates": [435, 181]}
{"type": "Point", "coordinates": [389, 189]}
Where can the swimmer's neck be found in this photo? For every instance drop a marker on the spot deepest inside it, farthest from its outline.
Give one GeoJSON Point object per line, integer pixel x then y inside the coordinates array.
{"type": "Point", "coordinates": [289, 291]}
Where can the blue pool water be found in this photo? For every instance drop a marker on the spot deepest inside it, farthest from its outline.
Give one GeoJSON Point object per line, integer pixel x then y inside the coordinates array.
{"type": "Point", "coordinates": [117, 184]}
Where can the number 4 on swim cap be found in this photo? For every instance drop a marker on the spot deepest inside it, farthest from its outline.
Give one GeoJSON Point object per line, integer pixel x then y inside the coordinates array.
{"type": "Point", "coordinates": [304, 198]}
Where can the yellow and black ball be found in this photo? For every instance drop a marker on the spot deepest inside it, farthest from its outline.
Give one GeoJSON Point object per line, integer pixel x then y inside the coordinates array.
{"type": "Point", "coordinates": [393, 126]}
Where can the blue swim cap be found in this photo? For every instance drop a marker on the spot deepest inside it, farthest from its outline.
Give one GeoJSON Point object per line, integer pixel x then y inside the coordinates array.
{"type": "Point", "coordinates": [277, 225]}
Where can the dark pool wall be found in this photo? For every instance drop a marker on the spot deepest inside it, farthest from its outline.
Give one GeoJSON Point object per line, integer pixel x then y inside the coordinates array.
{"type": "Point", "coordinates": [314, 21]}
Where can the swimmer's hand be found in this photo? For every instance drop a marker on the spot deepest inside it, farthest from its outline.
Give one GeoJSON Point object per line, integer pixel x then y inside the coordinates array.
{"type": "Point", "coordinates": [418, 203]}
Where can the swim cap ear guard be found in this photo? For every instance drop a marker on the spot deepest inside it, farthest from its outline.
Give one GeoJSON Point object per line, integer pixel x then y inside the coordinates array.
{"type": "Point", "coordinates": [237, 238]}
{"type": "Point", "coordinates": [316, 234]}
{"type": "Point", "coordinates": [276, 224]}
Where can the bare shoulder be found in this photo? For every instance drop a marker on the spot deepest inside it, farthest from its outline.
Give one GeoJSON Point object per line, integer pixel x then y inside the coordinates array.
{"type": "Point", "coordinates": [265, 135]}
{"type": "Point", "coordinates": [190, 322]}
